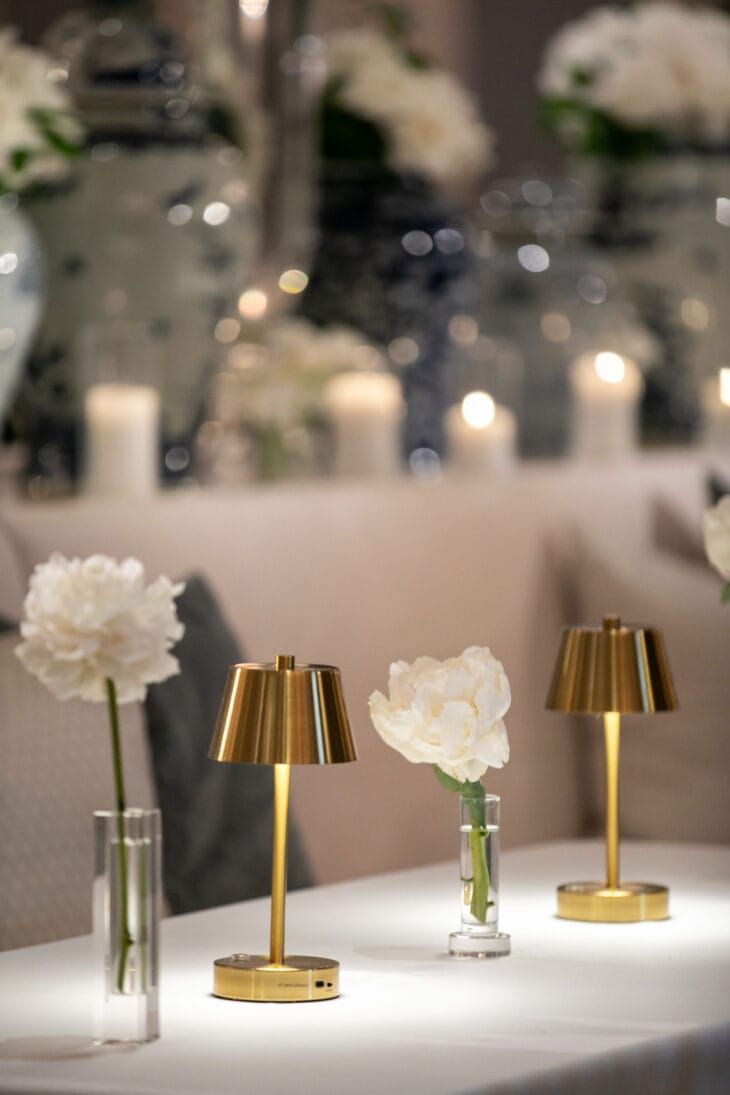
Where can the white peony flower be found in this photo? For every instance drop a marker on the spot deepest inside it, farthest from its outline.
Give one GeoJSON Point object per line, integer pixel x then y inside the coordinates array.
{"type": "Point", "coordinates": [448, 714]}
{"type": "Point", "coordinates": [86, 621]}
{"type": "Point", "coordinates": [429, 122]}
{"type": "Point", "coordinates": [657, 65]}
{"type": "Point", "coordinates": [717, 536]}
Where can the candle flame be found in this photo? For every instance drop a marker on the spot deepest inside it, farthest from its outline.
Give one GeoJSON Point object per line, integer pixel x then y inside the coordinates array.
{"type": "Point", "coordinates": [610, 367]}
{"type": "Point", "coordinates": [725, 387]}
{"type": "Point", "coordinates": [478, 410]}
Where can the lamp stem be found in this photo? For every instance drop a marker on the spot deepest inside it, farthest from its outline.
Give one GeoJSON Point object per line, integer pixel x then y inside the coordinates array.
{"type": "Point", "coordinates": [282, 773]}
{"type": "Point", "coordinates": [612, 732]}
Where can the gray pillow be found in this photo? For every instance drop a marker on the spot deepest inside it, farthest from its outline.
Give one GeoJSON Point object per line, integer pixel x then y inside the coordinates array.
{"type": "Point", "coordinates": [217, 818]}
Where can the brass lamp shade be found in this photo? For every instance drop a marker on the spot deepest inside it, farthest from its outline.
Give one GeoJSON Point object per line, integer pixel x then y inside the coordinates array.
{"type": "Point", "coordinates": [611, 668]}
{"type": "Point", "coordinates": [612, 671]}
{"type": "Point", "coordinates": [283, 714]}
{"type": "Point", "coordinates": [280, 714]}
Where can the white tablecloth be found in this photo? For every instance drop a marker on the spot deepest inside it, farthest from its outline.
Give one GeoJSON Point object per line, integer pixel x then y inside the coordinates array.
{"type": "Point", "coordinates": [576, 1008]}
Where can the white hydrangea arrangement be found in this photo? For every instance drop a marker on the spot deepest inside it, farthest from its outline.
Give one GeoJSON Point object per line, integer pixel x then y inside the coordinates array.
{"type": "Point", "coordinates": [628, 81]}
{"type": "Point", "coordinates": [385, 104]}
{"type": "Point", "coordinates": [450, 714]}
{"type": "Point", "coordinates": [38, 132]}
{"type": "Point", "coordinates": [92, 629]}
{"type": "Point", "coordinates": [717, 541]}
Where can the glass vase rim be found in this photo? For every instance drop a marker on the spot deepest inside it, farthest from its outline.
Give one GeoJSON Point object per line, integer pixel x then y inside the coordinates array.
{"type": "Point", "coordinates": [486, 797]}
{"type": "Point", "coordinates": [129, 811]}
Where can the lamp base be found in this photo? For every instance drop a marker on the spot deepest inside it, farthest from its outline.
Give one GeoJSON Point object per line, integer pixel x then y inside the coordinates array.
{"type": "Point", "coordinates": [253, 977]}
{"type": "Point", "coordinates": [632, 901]}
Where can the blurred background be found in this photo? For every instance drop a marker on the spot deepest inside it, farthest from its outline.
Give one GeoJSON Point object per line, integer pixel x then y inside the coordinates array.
{"type": "Point", "coordinates": [405, 326]}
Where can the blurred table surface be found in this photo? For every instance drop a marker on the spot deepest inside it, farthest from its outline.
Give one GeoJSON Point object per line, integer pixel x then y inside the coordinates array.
{"type": "Point", "coordinates": [577, 1007]}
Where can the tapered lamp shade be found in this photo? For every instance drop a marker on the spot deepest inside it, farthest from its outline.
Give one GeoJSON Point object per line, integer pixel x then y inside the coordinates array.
{"type": "Point", "coordinates": [611, 668]}
{"type": "Point", "coordinates": [283, 713]}
{"type": "Point", "coordinates": [612, 671]}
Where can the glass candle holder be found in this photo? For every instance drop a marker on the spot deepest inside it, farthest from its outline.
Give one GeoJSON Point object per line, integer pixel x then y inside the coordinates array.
{"type": "Point", "coordinates": [126, 908]}
{"type": "Point", "coordinates": [479, 935]}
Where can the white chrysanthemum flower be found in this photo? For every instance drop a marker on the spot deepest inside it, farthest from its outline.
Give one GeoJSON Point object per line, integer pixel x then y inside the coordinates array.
{"type": "Point", "coordinates": [429, 122]}
{"type": "Point", "coordinates": [717, 536]}
{"type": "Point", "coordinates": [86, 621]}
{"type": "Point", "coordinates": [25, 88]}
{"type": "Point", "coordinates": [658, 65]}
{"type": "Point", "coordinates": [448, 714]}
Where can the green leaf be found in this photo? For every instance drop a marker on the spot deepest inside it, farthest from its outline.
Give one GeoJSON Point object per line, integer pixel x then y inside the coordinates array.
{"type": "Point", "coordinates": [346, 136]}
{"type": "Point", "coordinates": [726, 593]}
{"type": "Point", "coordinates": [470, 789]}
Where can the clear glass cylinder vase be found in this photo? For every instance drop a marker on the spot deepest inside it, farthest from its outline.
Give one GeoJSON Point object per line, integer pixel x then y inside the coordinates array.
{"type": "Point", "coordinates": [126, 908]}
{"type": "Point", "coordinates": [479, 935]}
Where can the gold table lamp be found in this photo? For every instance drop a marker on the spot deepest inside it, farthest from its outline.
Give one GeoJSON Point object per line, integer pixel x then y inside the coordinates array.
{"type": "Point", "coordinates": [280, 714]}
{"type": "Point", "coordinates": [612, 671]}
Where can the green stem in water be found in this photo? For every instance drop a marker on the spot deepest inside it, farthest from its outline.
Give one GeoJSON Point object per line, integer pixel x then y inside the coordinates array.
{"type": "Point", "coordinates": [472, 793]}
{"type": "Point", "coordinates": [125, 939]}
{"type": "Point", "coordinates": [481, 882]}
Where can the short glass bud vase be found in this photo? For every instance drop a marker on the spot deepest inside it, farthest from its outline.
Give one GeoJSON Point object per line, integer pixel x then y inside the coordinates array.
{"type": "Point", "coordinates": [479, 936]}
{"type": "Point", "coordinates": [126, 907]}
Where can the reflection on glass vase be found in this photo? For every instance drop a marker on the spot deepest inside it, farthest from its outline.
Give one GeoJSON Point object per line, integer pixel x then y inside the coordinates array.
{"type": "Point", "coordinates": [479, 935]}
{"type": "Point", "coordinates": [126, 905]}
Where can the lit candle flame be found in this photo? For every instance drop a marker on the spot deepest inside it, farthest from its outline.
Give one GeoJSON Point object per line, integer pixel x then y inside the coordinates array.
{"type": "Point", "coordinates": [610, 367]}
{"type": "Point", "coordinates": [478, 410]}
{"type": "Point", "coordinates": [725, 387]}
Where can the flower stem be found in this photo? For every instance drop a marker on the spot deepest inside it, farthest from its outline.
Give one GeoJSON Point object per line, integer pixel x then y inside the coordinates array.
{"type": "Point", "coordinates": [481, 881]}
{"type": "Point", "coordinates": [125, 939]}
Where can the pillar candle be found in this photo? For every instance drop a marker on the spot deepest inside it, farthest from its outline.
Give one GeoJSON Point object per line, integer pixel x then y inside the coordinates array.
{"type": "Point", "coordinates": [365, 409]}
{"type": "Point", "coordinates": [716, 408]}
{"type": "Point", "coordinates": [122, 439]}
{"type": "Point", "coordinates": [481, 435]}
{"type": "Point", "coordinates": [606, 390]}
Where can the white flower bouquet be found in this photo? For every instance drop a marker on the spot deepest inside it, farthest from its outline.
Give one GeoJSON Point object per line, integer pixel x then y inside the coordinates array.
{"type": "Point", "coordinates": [385, 104]}
{"type": "Point", "coordinates": [93, 629]}
{"type": "Point", "coordinates": [625, 82]}
{"type": "Point", "coordinates": [717, 541]}
{"type": "Point", "coordinates": [450, 715]}
{"type": "Point", "coordinates": [38, 131]}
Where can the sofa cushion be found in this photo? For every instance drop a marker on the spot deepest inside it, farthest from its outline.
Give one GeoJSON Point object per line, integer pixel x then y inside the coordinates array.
{"type": "Point", "coordinates": [217, 818]}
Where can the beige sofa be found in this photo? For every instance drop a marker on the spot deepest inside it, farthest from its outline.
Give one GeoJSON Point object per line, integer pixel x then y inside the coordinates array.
{"type": "Point", "coordinates": [362, 574]}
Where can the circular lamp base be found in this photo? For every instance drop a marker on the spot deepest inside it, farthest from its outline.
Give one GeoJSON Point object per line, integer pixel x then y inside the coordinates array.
{"type": "Point", "coordinates": [464, 945]}
{"type": "Point", "coordinates": [253, 977]}
{"type": "Point", "coordinates": [632, 901]}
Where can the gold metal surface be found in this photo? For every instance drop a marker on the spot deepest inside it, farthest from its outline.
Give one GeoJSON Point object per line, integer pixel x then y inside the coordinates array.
{"type": "Point", "coordinates": [278, 867]}
{"type": "Point", "coordinates": [612, 671]}
{"type": "Point", "coordinates": [252, 977]}
{"type": "Point", "coordinates": [611, 668]}
{"type": "Point", "coordinates": [280, 714]}
{"type": "Point", "coordinates": [629, 902]}
{"type": "Point", "coordinates": [612, 735]}
{"type": "Point", "coordinates": [283, 713]}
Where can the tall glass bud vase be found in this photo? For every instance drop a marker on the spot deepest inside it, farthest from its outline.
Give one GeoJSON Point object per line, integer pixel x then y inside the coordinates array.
{"type": "Point", "coordinates": [479, 935]}
{"type": "Point", "coordinates": [126, 924]}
